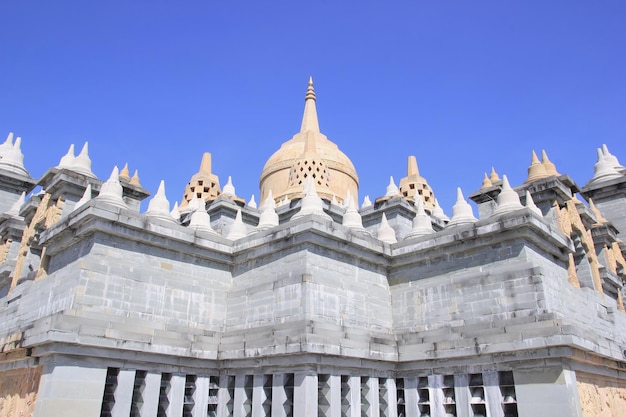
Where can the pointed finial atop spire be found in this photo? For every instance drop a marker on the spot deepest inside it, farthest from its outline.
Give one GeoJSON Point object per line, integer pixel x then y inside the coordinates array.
{"type": "Point", "coordinates": [366, 202]}
{"type": "Point", "coordinates": [604, 169]}
{"type": "Point", "coordinates": [550, 167]}
{"type": "Point", "coordinates": [252, 202]}
{"type": "Point", "coordinates": [175, 213]}
{"type": "Point", "coordinates": [392, 188]}
{"type": "Point", "coordinates": [125, 173]}
{"type": "Point", "coordinates": [229, 188]}
{"type": "Point", "coordinates": [82, 162]}
{"type": "Point", "coordinates": [205, 165]}
{"type": "Point", "coordinates": [7, 144]}
{"type": "Point", "coordinates": [536, 170]}
{"type": "Point", "coordinates": [68, 160]}
{"type": "Point", "coordinates": [494, 177]}
{"type": "Point", "coordinates": [309, 119]}
{"type": "Point", "coordinates": [610, 157]}
{"type": "Point", "coordinates": [412, 166]}
{"type": "Point", "coordinates": [135, 179]}
{"type": "Point", "coordinates": [486, 182]}
{"type": "Point", "coordinates": [12, 158]}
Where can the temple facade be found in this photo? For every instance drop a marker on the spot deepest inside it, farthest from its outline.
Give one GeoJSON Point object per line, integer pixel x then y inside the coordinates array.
{"type": "Point", "coordinates": [309, 303]}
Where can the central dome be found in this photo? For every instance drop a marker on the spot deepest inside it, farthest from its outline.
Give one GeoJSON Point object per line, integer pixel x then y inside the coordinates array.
{"type": "Point", "coordinates": [309, 153]}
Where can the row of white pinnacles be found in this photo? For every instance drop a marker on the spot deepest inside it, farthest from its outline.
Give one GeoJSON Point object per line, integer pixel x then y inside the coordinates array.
{"type": "Point", "coordinates": [111, 191]}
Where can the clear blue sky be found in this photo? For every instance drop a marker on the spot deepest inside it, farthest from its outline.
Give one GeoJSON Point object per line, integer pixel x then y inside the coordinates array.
{"type": "Point", "coordinates": [463, 85]}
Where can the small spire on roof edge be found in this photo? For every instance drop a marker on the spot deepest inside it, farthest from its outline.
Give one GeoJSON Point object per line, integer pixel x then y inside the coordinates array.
{"type": "Point", "coordinates": [366, 202]}
{"type": "Point", "coordinates": [385, 232]}
{"type": "Point", "coordinates": [486, 182]}
{"type": "Point", "coordinates": [238, 228]}
{"type": "Point", "coordinates": [536, 170]}
{"type": "Point", "coordinates": [530, 203]}
{"type": "Point", "coordinates": [494, 177]}
{"type": "Point", "coordinates": [135, 179]}
{"type": "Point", "coordinates": [125, 173]}
{"type": "Point", "coordinates": [252, 202]}
{"type": "Point", "coordinates": [462, 212]}
{"type": "Point", "coordinates": [14, 210]}
{"type": "Point", "coordinates": [392, 188]}
{"type": "Point", "coordinates": [550, 167]}
{"type": "Point", "coordinates": [84, 199]}
{"type": "Point", "coordinates": [159, 206]}
{"type": "Point", "coordinates": [508, 199]}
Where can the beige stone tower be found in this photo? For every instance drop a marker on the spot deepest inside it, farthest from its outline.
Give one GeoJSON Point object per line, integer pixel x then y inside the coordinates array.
{"type": "Point", "coordinates": [204, 184]}
{"type": "Point", "coordinates": [309, 153]}
{"type": "Point", "coordinates": [414, 184]}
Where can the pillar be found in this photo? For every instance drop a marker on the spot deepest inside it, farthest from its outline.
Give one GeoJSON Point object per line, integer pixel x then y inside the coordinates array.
{"type": "Point", "coordinates": [70, 391]}
{"type": "Point", "coordinates": [305, 395]}
{"type": "Point", "coordinates": [546, 392]}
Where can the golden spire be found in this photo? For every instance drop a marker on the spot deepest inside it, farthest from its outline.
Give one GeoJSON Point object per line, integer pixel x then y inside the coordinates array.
{"type": "Point", "coordinates": [309, 119]}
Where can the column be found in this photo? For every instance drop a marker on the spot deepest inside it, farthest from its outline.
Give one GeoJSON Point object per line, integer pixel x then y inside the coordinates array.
{"type": "Point", "coordinates": [545, 392]}
{"type": "Point", "coordinates": [278, 395]}
{"type": "Point", "coordinates": [391, 398]}
{"type": "Point", "coordinates": [462, 395]}
{"type": "Point", "coordinates": [151, 395]}
{"type": "Point", "coordinates": [435, 384]}
{"type": "Point", "coordinates": [305, 395]}
{"type": "Point", "coordinates": [176, 396]}
{"type": "Point", "coordinates": [70, 391]}
{"type": "Point", "coordinates": [201, 397]}
{"type": "Point", "coordinates": [334, 396]}
{"type": "Point", "coordinates": [123, 393]}
{"type": "Point", "coordinates": [225, 395]}
{"type": "Point", "coordinates": [258, 396]}
{"type": "Point", "coordinates": [240, 396]}
{"type": "Point", "coordinates": [373, 397]}
{"type": "Point", "coordinates": [410, 397]}
{"type": "Point", "coordinates": [492, 394]}
{"type": "Point", "coordinates": [355, 396]}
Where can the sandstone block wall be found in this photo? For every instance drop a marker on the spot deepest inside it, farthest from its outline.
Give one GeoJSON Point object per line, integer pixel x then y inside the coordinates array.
{"type": "Point", "coordinates": [601, 396]}
{"type": "Point", "coordinates": [18, 391]}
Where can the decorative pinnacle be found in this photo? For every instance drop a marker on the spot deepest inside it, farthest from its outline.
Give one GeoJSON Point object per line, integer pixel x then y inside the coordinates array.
{"type": "Point", "coordinates": [205, 165]}
{"type": "Point", "coordinates": [310, 91]}
{"type": "Point", "coordinates": [309, 119]}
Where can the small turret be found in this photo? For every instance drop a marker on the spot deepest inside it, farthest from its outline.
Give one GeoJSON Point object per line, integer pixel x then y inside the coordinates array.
{"type": "Point", "coordinates": [238, 228]}
{"type": "Point", "coordinates": [422, 225]}
{"type": "Point", "coordinates": [386, 232]}
{"type": "Point", "coordinates": [508, 199]}
{"type": "Point", "coordinates": [536, 170]}
{"type": "Point", "coordinates": [311, 203]}
{"type": "Point", "coordinates": [111, 190]}
{"type": "Point", "coordinates": [461, 211]}
{"type": "Point", "coordinates": [159, 206]}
